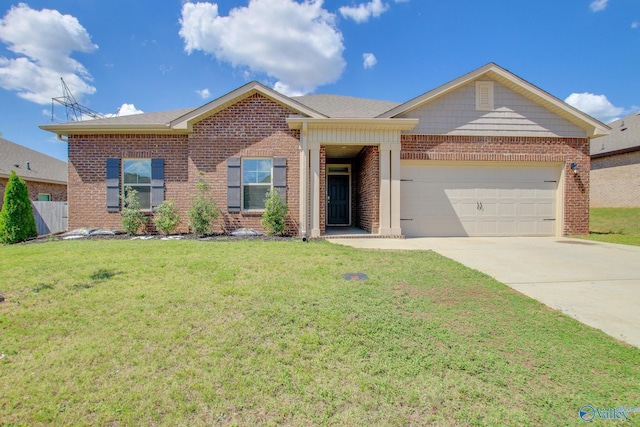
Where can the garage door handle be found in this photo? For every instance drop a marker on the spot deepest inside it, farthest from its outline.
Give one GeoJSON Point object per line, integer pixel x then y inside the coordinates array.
{"type": "Point", "coordinates": [406, 219]}
{"type": "Point", "coordinates": [549, 219]}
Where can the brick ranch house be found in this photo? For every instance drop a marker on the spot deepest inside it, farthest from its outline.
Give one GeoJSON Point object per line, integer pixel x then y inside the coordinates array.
{"type": "Point", "coordinates": [45, 176]}
{"type": "Point", "coordinates": [485, 154]}
{"type": "Point", "coordinates": [615, 165]}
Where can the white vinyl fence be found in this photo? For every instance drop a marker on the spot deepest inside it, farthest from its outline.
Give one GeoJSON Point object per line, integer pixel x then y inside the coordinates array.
{"type": "Point", "coordinates": [51, 217]}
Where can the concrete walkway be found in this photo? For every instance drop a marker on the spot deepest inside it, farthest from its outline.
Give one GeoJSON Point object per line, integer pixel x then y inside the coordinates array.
{"type": "Point", "coordinates": [595, 283]}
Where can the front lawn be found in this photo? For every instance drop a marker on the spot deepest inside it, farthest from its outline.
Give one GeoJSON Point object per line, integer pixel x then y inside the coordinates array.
{"type": "Point", "coordinates": [270, 333]}
{"type": "Point", "coordinates": [615, 225]}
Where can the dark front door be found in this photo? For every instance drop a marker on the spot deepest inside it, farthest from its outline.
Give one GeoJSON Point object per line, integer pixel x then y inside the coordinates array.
{"type": "Point", "coordinates": [338, 200]}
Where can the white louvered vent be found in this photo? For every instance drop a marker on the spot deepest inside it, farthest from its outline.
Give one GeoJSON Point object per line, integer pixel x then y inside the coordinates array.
{"type": "Point", "coordinates": [484, 95]}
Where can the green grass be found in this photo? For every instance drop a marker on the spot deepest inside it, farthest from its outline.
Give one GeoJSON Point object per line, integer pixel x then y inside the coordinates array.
{"type": "Point", "coordinates": [270, 333]}
{"type": "Point", "coordinates": [615, 225]}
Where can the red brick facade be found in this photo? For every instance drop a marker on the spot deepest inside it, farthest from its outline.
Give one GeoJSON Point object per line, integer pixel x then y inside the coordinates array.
{"type": "Point", "coordinates": [58, 192]}
{"type": "Point", "coordinates": [368, 189]}
{"type": "Point", "coordinates": [253, 127]}
{"type": "Point", "coordinates": [517, 149]}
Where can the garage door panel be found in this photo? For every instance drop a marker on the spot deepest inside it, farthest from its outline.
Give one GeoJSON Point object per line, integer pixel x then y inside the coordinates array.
{"type": "Point", "coordinates": [461, 200]}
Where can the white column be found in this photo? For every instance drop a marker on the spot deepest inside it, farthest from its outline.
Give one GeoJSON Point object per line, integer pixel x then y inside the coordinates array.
{"type": "Point", "coordinates": [395, 190]}
{"type": "Point", "coordinates": [385, 190]}
{"type": "Point", "coordinates": [304, 182]}
{"type": "Point", "coordinates": [314, 187]}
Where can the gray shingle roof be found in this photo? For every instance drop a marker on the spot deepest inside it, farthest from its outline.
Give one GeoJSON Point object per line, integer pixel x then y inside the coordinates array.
{"type": "Point", "coordinates": [157, 118]}
{"type": "Point", "coordinates": [345, 106]}
{"type": "Point", "coordinates": [624, 136]}
{"type": "Point", "coordinates": [41, 167]}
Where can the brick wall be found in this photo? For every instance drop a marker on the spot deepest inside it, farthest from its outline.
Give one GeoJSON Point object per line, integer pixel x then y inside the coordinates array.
{"type": "Point", "coordinates": [58, 192]}
{"type": "Point", "coordinates": [517, 149]}
{"type": "Point", "coordinates": [87, 173]}
{"type": "Point", "coordinates": [615, 181]}
{"type": "Point", "coordinates": [253, 127]}
{"type": "Point", "coordinates": [368, 189]}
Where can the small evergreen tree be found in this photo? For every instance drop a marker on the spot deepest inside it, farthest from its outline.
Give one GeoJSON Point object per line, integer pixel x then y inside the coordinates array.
{"type": "Point", "coordinates": [132, 216]}
{"type": "Point", "coordinates": [203, 211]}
{"type": "Point", "coordinates": [17, 223]}
{"type": "Point", "coordinates": [166, 217]}
{"type": "Point", "coordinates": [275, 213]}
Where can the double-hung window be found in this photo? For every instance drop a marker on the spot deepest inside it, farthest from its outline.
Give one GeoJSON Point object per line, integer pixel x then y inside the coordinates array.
{"type": "Point", "coordinates": [137, 176]}
{"type": "Point", "coordinates": [257, 179]}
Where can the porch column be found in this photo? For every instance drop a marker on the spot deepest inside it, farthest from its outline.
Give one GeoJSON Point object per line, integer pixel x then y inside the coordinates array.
{"type": "Point", "coordinates": [395, 190]}
{"type": "Point", "coordinates": [304, 182]}
{"type": "Point", "coordinates": [314, 188]}
{"type": "Point", "coordinates": [385, 190]}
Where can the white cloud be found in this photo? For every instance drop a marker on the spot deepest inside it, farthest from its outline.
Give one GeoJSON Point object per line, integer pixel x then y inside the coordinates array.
{"type": "Point", "coordinates": [364, 11]}
{"type": "Point", "coordinates": [369, 60]}
{"type": "Point", "coordinates": [634, 25]}
{"type": "Point", "coordinates": [43, 42]}
{"type": "Point", "coordinates": [598, 5]}
{"type": "Point", "coordinates": [128, 110]}
{"type": "Point", "coordinates": [597, 106]}
{"type": "Point", "coordinates": [204, 93]}
{"type": "Point", "coordinates": [298, 44]}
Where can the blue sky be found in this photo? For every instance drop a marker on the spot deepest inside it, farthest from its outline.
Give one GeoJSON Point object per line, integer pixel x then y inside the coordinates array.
{"type": "Point", "coordinates": [149, 55]}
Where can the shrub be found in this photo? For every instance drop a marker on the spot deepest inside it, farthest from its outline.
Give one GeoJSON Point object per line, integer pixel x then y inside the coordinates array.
{"type": "Point", "coordinates": [275, 213]}
{"type": "Point", "coordinates": [166, 217]}
{"type": "Point", "coordinates": [16, 218]}
{"type": "Point", "coordinates": [203, 211]}
{"type": "Point", "coordinates": [132, 216]}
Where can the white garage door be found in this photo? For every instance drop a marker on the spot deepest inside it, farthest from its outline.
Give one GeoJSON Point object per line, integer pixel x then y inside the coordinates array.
{"type": "Point", "coordinates": [454, 199]}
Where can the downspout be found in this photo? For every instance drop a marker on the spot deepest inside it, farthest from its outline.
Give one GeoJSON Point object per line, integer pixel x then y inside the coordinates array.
{"type": "Point", "coordinates": [61, 139]}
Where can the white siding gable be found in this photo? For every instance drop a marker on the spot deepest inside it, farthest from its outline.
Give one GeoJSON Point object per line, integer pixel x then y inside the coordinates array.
{"type": "Point", "coordinates": [458, 113]}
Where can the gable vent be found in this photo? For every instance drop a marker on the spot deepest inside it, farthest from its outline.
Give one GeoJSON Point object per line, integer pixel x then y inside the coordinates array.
{"type": "Point", "coordinates": [484, 95]}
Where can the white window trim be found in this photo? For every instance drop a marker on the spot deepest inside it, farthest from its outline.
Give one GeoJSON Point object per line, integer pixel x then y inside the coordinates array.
{"type": "Point", "coordinates": [483, 104]}
{"type": "Point", "coordinates": [122, 169]}
{"type": "Point", "coordinates": [253, 184]}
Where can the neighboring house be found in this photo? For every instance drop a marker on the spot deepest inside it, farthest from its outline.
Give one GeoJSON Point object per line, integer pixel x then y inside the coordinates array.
{"type": "Point", "coordinates": [615, 165]}
{"type": "Point", "coordinates": [46, 177]}
{"type": "Point", "coordinates": [485, 154]}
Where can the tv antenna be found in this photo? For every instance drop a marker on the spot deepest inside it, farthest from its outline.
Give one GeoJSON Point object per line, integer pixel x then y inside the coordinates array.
{"type": "Point", "coordinates": [75, 111]}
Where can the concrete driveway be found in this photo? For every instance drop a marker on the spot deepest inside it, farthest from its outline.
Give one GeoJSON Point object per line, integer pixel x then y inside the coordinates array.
{"type": "Point", "coordinates": [595, 283]}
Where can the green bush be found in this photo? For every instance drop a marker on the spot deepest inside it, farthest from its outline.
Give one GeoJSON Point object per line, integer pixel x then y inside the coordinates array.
{"type": "Point", "coordinates": [275, 213]}
{"type": "Point", "coordinates": [166, 217]}
{"type": "Point", "coordinates": [203, 211]}
{"type": "Point", "coordinates": [16, 218]}
{"type": "Point", "coordinates": [132, 216]}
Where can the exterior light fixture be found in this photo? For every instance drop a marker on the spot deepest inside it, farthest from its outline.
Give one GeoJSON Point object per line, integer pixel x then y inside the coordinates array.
{"type": "Point", "coordinates": [574, 168]}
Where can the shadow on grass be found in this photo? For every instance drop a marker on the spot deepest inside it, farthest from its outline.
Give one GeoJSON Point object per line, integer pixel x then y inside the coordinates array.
{"type": "Point", "coordinates": [96, 277]}
{"type": "Point", "coordinates": [102, 274]}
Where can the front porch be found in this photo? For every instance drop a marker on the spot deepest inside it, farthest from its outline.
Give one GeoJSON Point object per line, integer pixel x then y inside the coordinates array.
{"type": "Point", "coordinates": [350, 175]}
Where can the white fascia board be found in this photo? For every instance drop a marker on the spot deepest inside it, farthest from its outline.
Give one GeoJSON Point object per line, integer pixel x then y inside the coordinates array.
{"type": "Point", "coordinates": [186, 121]}
{"type": "Point", "coordinates": [353, 123]}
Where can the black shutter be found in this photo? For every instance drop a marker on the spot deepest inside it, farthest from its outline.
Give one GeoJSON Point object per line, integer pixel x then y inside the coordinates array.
{"type": "Point", "coordinates": [233, 184]}
{"type": "Point", "coordinates": [157, 182]}
{"type": "Point", "coordinates": [280, 176]}
{"type": "Point", "coordinates": [113, 185]}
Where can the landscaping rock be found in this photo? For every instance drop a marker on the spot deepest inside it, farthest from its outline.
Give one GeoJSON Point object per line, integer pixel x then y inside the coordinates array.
{"type": "Point", "coordinates": [246, 232]}
{"type": "Point", "coordinates": [1, 298]}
